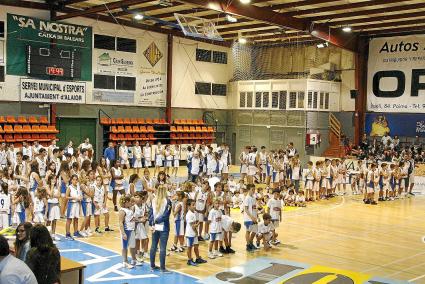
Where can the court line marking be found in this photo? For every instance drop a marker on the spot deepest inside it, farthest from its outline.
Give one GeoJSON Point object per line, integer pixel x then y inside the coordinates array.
{"type": "Point", "coordinates": [395, 261]}
{"type": "Point", "coordinates": [405, 270]}
{"type": "Point", "coordinates": [178, 272]}
{"type": "Point", "coordinates": [416, 278]}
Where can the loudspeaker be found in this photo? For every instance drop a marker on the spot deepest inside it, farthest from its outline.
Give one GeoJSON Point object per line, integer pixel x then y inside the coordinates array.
{"type": "Point", "coordinates": [353, 94]}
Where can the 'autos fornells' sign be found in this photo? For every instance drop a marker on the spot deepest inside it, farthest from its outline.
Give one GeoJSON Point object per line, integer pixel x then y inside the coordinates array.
{"type": "Point", "coordinates": [396, 74]}
{"type": "Point", "coordinates": [43, 91]}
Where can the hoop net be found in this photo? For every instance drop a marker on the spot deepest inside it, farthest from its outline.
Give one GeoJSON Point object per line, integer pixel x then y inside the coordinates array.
{"type": "Point", "coordinates": [198, 27]}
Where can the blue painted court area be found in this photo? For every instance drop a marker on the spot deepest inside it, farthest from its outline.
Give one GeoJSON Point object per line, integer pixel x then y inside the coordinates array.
{"type": "Point", "coordinates": [105, 266]}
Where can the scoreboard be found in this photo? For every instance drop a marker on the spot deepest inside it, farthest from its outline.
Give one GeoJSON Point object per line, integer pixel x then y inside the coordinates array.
{"type": "Point", "coordinates": [56, 62]}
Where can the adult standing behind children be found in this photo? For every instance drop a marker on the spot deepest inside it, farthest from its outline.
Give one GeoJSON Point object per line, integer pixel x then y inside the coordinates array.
{"type": "Point", "coordinates": [159, 220]}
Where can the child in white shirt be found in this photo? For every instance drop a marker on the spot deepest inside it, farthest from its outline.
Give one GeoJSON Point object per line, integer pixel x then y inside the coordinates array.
{"type": "Point", "coordinates": [265, 231]}
{"type": "Point", "coordinates": [214, 218]}
{"type": "Point", "coordinates": [274, 208]}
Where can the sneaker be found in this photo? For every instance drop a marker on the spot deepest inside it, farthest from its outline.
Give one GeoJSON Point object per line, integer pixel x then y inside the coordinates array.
{"type": "Point", "coordinates": [229, 250]}
{"type": "Point", "coordinates": [98, 231]}
{"type": "Point", "coordinates": [116, 208]}
{"type": "Point", "coordinates": [411, 193]}
{"type": "Point", "coordinates": [254, 247]}
{"type": "Point", "coordinates": [373, 203]}
{"type": "Point", "coordinates": [139, 257]}
{"type": "Point", "coordinates": [217, 254]}
{"type": "Point", "coordinates": [56, 238]}
{"type": "Point", "coordinates": [200, 239]}
{"type": "Point", "coordinates": [89, 231]}
{"type": "Point", "coordinates": [276, 242]}
{"type": "Point", "coordinates": [127, 265]}
{"type": "Point", "coordinates": [173, 248]}
{"type": "Point", "coordinates": [155, 268]}
{"type": "Point", "coordinates": [78, 235]}
{"type": "Point", "coordinates": [137, 263]}
{"type": "Point", "coordinates": [211, 255]}
{"type": "Point", "coordinates": [258, 244]}
{"type": "Point", "coordinates": [222, 250]}
{"type": "Point", "coordinates": [367, 202]}
{"type": "Point", "coordinates": [249, 248]}
{"type": "Point", "coordinates": [200, 260]}
{"type": "Point", "coordinates": [206, 237]}
{"type": "Point", "coordinates": [191, 263]}
{"type": "Point", "coordinates": [69, 237]}
{"type": "Point", "coordinates": [180, 249]}
{"type": "Point", "coordinates": [83, 234]}
{"type": "Point", "coordinates": [165, 271]}
{"type": "Point", "coordinates": [107, 229]}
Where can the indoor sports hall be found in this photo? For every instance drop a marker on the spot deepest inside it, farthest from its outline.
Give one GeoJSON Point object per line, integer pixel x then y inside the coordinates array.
{"type": "Point", "coordinates": [212, 141]}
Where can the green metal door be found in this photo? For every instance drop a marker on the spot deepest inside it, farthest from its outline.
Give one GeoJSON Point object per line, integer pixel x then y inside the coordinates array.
{"type": "Point", "coordinates": [76, 130]}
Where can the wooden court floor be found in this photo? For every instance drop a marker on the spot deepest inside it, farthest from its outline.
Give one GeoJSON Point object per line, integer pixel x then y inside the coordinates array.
{"type": "Point", "coordinates": [384, 240]}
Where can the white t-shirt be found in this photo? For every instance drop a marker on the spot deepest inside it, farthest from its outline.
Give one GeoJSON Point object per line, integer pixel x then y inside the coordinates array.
{"type": "Point", "coordinates": [190, 218]}
{"type": "Point", "coordinates": [226, 223]}
{"type": "Point", "coordinates": [215, 218]}
{"type": "Point", "coordinates": [275, 207]}
{"type": "Point", "coordinates": [265, 229]}
{"type": "Point", "coordinates": [252, 208]}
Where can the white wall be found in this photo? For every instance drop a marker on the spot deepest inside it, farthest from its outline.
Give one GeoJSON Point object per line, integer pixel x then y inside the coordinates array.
{"type": "Point", "coordinates": [186, 70]}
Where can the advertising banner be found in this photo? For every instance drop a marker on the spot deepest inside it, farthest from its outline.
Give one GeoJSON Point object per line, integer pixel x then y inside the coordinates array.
{"type": "Point", "coordinates": [43, 91]}
{"type": "Point", "coordinates": [154, 88]}
{"type": "Point", "coordinates": [24, 31]}
{"type": "Point", "coordinates": [110, 62]}
{"type": "Point", "coordinates": [396, 74]}
{"type": "Point", "coordinates": [408, 125]}
{"type": "Point", "coordinates": [104, 96]}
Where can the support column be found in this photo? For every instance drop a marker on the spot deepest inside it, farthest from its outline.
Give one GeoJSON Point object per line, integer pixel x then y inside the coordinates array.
{"type": "Point", "coordinates": [52, 110]}
{"type": "Point", "coordinates": [361, 86]}
{"type": "Point", "coordinates": [169, 78]}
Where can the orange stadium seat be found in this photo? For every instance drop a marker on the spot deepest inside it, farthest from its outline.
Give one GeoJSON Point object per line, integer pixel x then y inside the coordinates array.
{"type": "Point", "coordinates": [18, 137]}
{"type": "Point", "coordinates": [105, 121]}
{"type": "Point", "coordinates": [129, 137]}
{"type": "Point", "coordinates": [35, 136]}
{"type": "Point", "coordinates": [143, 129]}
{"type": "Point", "coordinates": [128, 129]}
{"type": "Point", "coordinates": [32, 119]}
{"type": "Point", "coordinates": [17, 128]}
{"type": "Point", "coordinates": [9, 138]}
{"type": "Point", "coordinates": [26, 136]}
{"type": "Point", "coordinates": [136, 129]}
{"type": "Point", "coordinates": [162, 121]}
{"type": "Point", "coordinates": [155, 121]}
{"type": "Point", "coordinates": [113, 121]}
{"type": "Point", "coordinates": [1, 129]}
{"type": "Point", "coordinates": [192, 128]}
{"type": "Point", "coordinates": [150, 128]}
{"type": "Point", "coordinates": [127, 121]}
{"type": "Point", "coordinates": [120, 136]}
{"type": "Point", "coordinates": [43, 128]}
{"type": "Point", "coordinates": [120, 120]}
{"type": "Point", "coordinates": [121, 129]}
{"type": "Point", "coordinates": [133, 120]}
{"type": "Point", "coordinates": [35, 128]}
{"type": "Point", "coordinates": [173, 128]}
{"type": "Point", "coordinates": [148, 121]}
{"type": "Point", "coordinates": [8, 128]}
{"type": "Point", "coordinates": [2, 120]}
{"type": "Point", "coordinates": [177, 121]}
{"type": "Point", "coordinates": [112, 136]}
{"type": "Point", "coordinates": [10, 119]}
{"type": "Point", "coordinates": [22, 119]}
{"type": "Point", "coordinates": [44, 120]}
{"type": "Point", "coordinates": [140, 121]}
{"type": "Point", "coordinates": [52, 129]}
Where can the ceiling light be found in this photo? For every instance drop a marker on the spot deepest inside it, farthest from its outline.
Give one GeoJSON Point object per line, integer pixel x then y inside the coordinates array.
{"type": "Point", "coordinates": [138, 17]}
{"type": "Point", "coordinates": [322, 45]}
{"type": "Point", "coordinates": [242, 40]}
{"type": "Point", "coordinates": [346, 29]}
{"type": "Point", "coordinates": [231, 19]}
{"type": "Point", "coordinates": [245, 1]}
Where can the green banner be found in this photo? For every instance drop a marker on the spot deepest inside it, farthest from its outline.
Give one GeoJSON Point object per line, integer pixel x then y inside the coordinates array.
{"type": "Point", "coordinates": [23, 31]}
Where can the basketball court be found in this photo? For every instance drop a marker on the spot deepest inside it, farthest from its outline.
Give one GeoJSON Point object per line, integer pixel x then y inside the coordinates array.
{"type": "Point", "coordinates": [308, 80]}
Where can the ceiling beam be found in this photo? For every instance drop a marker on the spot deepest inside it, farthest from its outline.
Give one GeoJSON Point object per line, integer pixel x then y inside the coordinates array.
{"type": "Point", "coordinates": [396, 24]}
{"type": "Point", "coordinates": [368, 12]}
{"type": "Point", "coordinates": [268, 16]}
{"type": "Point", "coordinates": [141, 9]}
{"type": "Point", "coordinates": [335, 8]}
{"type": "Point", "coordinates": [389, 31]}
{"type": "Point", "coordinates": [297, 4]}
{"type": "Point", "coordinates": [101, 8]}
{"type": "Point", "coordinates": [70, 2]}
{"type": "Point", "coordinates": [369, 19]}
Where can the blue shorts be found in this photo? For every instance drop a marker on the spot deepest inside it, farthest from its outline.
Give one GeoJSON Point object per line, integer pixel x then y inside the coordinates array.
{"type": "Point", "coordinates": [213, 236]}
{"type": "Point", "coordinates": [130, 241]}
{"type": "Point", "coordinates": [191, 241]}
{"type": "Point", "coordinates": [248, 224]}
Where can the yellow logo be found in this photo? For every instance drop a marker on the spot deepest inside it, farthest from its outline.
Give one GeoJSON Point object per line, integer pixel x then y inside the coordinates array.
{"type": "Point", "coordinates": [153, 54]}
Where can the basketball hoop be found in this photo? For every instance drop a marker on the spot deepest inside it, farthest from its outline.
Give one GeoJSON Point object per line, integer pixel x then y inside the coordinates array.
{"type": "Point", "coordinates": [198, 27]}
